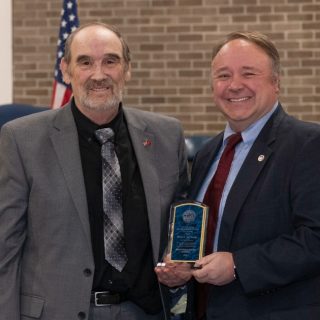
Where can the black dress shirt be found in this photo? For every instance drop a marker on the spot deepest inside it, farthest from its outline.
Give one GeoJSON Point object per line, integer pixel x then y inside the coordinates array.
{"type": "Point", "coordinates": [137, 281]}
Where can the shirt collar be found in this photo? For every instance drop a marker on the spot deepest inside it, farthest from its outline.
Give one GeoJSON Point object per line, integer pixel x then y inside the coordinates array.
{"type": "Point", "coordinates": [251, 133]}
{"type": "Point", "coordinates": [87, 127]}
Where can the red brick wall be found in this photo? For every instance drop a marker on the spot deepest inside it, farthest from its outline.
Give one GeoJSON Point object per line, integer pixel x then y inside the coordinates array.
{"type": "Point", "coordinates": [171, 42]}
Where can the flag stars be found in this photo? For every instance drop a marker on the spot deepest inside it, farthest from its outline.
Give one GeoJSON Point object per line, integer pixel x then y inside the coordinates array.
{"type": "Point", "coordinates": [68, 23]}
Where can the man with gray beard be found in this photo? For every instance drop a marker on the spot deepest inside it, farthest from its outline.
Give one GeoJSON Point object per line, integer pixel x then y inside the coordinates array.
{"type": "Point", "coordinates": [58, 256]}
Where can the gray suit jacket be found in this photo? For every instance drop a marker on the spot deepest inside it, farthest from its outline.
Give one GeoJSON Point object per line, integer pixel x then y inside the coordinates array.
{"type": "Point", "coordinates": [271, 224]}
{"type": "Point", "coordinates": [46, 259]}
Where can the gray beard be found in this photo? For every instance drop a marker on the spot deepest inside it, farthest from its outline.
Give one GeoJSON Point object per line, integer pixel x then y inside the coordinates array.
{"type": "Point", "coordinates": [110, 104]}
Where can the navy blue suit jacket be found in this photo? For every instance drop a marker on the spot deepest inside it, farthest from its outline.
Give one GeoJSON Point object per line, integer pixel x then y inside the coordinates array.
{"type": "Point", "coordinates": [271, 224]}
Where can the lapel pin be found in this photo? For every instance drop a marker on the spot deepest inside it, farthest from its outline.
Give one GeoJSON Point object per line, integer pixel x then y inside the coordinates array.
{"type": "Point", "coordinates": [147, 143]}
{"type": "Point", "coordinates": [261, 158]}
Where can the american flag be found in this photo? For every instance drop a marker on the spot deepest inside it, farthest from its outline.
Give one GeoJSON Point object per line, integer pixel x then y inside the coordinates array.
{"type": "Point", "coordinates": [69, 21]}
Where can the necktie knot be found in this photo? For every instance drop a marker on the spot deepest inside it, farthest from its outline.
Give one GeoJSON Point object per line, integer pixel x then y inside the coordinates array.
{"type": "Point", "coordinates": [104, 135]}
{"type": "Point", "coordinates": [234, 139]}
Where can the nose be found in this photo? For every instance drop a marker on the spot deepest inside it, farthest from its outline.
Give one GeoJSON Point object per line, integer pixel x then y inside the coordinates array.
{"type": "Point", "coordinates": [236, 83]}
{"type": "Point", "coordinates": [98, 72]}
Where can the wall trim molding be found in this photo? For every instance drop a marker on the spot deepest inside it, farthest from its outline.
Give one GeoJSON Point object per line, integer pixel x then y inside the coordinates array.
{"type": "Point", "coordinates": [6, 67]}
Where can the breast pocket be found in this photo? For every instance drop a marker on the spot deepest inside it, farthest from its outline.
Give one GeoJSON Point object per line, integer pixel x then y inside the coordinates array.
{"type": "Point", "coordinates": [31, 306]}
{"type": "Point", "coordinates": [261, 221]}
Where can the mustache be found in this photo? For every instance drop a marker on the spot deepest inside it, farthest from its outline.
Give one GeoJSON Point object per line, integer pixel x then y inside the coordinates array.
{"type": "Point", "coordinates": [98, 84]}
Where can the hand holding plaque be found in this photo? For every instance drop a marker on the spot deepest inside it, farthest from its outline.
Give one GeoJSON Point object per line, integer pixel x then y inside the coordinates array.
{"type": "Point", "coordinates": [187, 231]}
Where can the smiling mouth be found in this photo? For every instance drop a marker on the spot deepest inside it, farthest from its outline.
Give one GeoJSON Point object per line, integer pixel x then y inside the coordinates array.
{"type": "Point", "coordinates": [239, 99]}
{"type": "Point", "coordinates": [100, 89]}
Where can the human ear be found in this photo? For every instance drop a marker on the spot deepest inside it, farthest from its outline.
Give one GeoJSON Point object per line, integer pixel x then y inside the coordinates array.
{"type": "Point", "coordinates": [65, 72]}
{"type": "Point", "coordinates": [127, 76]}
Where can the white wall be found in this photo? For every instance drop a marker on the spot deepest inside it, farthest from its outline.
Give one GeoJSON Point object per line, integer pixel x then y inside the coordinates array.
{"type": "Point", "coordinates": [6, 79]}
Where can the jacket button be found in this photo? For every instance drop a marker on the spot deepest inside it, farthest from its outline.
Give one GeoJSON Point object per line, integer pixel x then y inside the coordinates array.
{"type": "Point", "coordinates": [81, 315]}
{"type": "Point", "coordinates": [87, 272]}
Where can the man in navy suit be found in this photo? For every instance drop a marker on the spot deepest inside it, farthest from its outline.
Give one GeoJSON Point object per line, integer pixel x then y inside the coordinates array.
{"type": "Point", "coordinates": [265, 262]}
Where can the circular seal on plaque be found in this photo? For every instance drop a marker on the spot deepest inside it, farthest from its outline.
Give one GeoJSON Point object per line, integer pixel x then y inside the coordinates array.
{"type": "Point", "coordinates": [189, 216]}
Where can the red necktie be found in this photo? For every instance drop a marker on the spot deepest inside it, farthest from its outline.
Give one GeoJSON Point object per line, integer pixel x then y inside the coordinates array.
{"type": "Point", "coordinates": [212, 198]}
{"type": "Point", "coordinates": [213, 194]}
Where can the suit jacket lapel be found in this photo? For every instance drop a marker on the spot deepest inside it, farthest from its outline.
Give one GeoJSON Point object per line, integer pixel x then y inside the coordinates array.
{"type": "Point", "coordinates": [202, 164]}
{"type": "Point", "coordinates": [256, 160]}
{"type": "Point", "coordinates": [64, 138]}
{"type": "Point", "coordinates": [144, 144]}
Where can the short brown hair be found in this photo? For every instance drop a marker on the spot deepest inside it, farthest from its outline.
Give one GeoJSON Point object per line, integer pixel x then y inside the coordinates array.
{"type": "Point", "coordinates": [125, 47]}
{"type": "Point", "coordinates": [257, 38]}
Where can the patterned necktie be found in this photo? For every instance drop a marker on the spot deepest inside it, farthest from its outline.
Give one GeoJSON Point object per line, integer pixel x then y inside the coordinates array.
{"type": "Point", "coordinates": [212, 198]}
{"type": "Point", "coordinates": [114, 247]}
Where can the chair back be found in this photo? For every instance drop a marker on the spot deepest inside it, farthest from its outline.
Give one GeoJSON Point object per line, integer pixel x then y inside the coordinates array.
{"type": "Point", "coordinates": [12, 111]}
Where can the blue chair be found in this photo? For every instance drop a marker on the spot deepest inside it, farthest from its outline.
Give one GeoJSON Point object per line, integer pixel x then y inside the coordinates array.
{"type": "Point", "coordinates": [15, 110]}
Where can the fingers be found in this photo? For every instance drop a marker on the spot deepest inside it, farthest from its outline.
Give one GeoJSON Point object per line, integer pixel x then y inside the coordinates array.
{"type": "Point", "coordinates": [200, 275]}
{"type": "Point", "coordinates": [173, 274]}
{"type": "Point", "coordinates": [216, 269]}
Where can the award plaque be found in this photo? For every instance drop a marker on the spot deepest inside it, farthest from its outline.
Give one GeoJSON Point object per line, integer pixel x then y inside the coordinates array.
{"type": "Point", "coordinates": [187, 231]}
